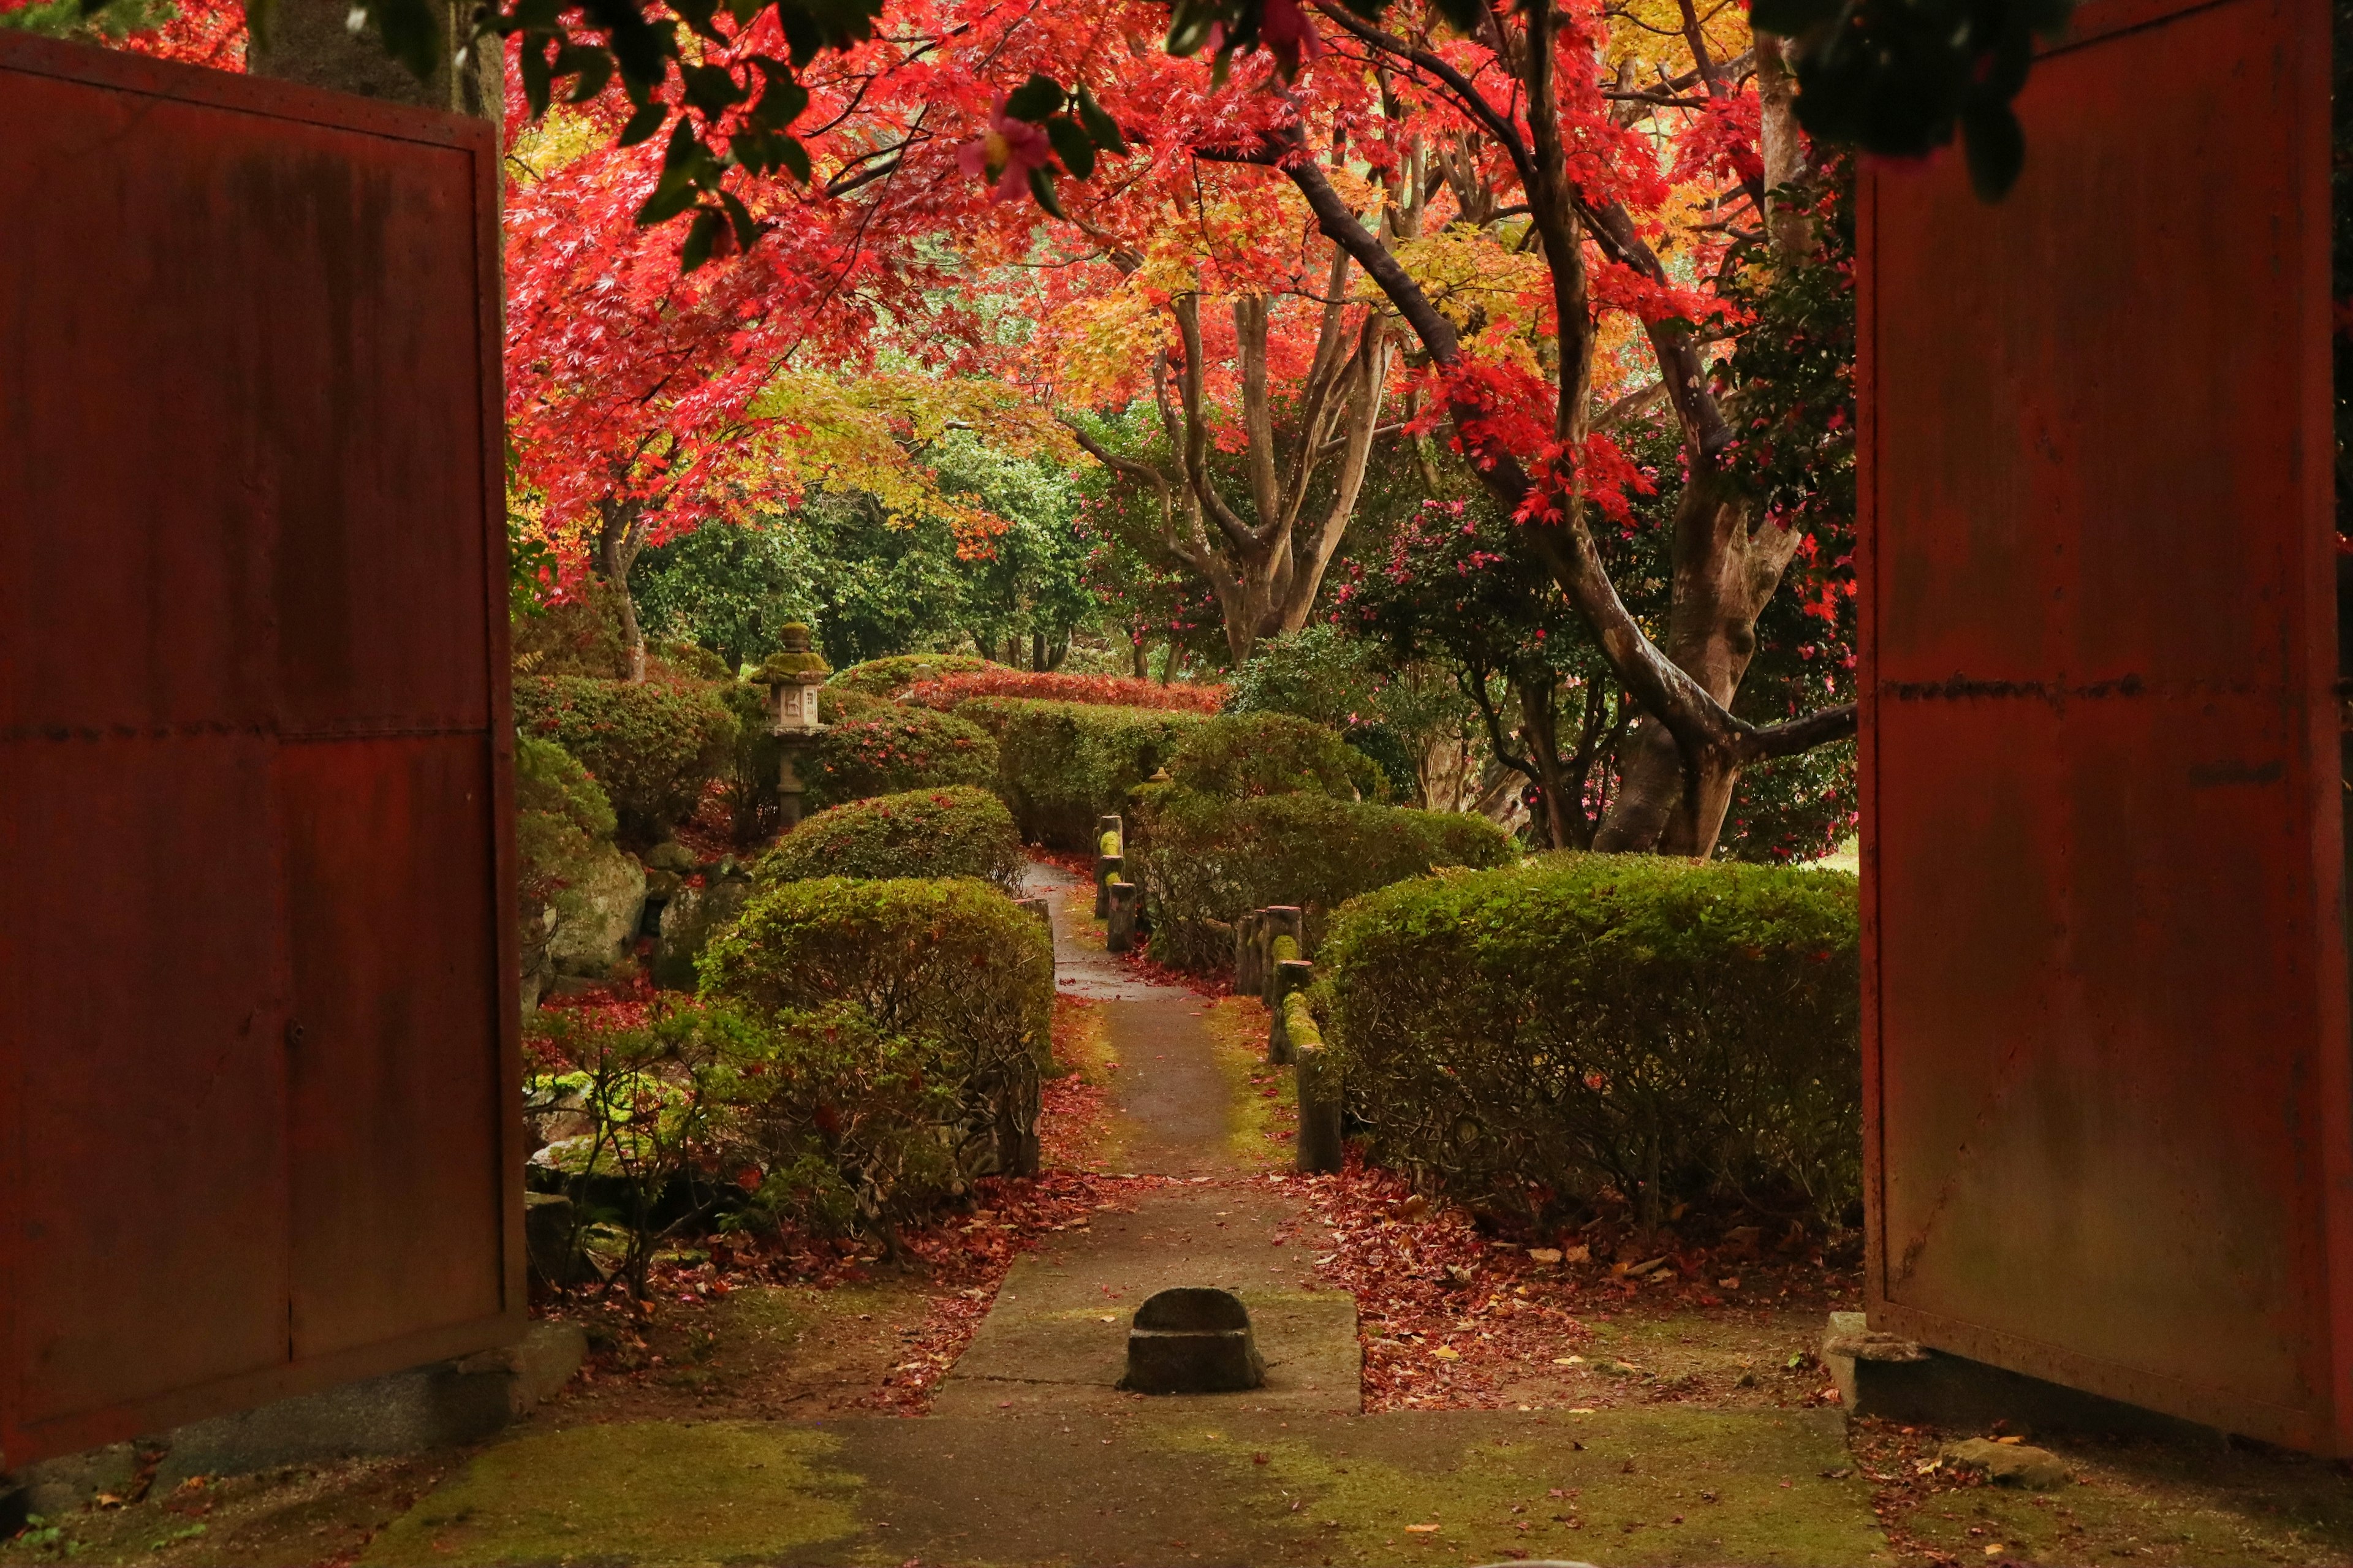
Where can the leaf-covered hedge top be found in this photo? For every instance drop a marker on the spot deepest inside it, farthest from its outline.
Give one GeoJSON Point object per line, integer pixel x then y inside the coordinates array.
{"type": "Point", "coordinates": [650, 744]}
{"type": "Point", "coordinates": [955, 832]}
{"type": "Point", "coordinates": [1643, 911]}
{"type": "Point", "coordinates": [1052, 686]}
{"type": "Point", "coordinates": [888, 676]}
{"type": "Point", "coordinates": [1065, 762]}
{"type": "Point", "coordinates": [950, 957]}
{"type": "Point", "coordinates": [1238, 755]}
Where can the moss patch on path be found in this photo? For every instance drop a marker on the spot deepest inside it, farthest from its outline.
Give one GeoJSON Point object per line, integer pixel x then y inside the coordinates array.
{"type": "Point", "coordinates": [655, 1492]}
{"type": "Point", "coordinates": [1627, 1487]}
{"type": "Point", "coordinates": [1266, 1098]}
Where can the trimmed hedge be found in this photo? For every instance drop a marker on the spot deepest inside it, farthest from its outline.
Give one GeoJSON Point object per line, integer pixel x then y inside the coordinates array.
{"type": "Point", "coordinates": [947, 690]}
{"type": "Point", "coordinates": [1063, 763]}
{"type": "Point", "coordinates": [1242, 754]}
{"type": "Point", "coordinates": [651, 746]}
{"type": "Point", "coordinates": [891, 750]}
{"type": "Point", "coordinates": [951, 962]}
{"type": "Point", "coordinates": [959, 832]}
{"type": "Point", "coordinates": [1205, 861]}
{"type": "Point", "coordinates": [889, 676]}
{"type": "Point", "coordinates": [1523, 1038]}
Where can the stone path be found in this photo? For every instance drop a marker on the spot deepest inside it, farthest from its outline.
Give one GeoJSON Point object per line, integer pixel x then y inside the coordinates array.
{"type": "Point", "coordinates": [1056, 1333]}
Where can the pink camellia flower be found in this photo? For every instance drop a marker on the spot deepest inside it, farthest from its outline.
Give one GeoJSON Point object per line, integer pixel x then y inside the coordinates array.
{"type": "Point", "coordinates": [1006, 152]}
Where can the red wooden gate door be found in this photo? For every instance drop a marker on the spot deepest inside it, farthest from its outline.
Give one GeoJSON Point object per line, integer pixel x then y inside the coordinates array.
{"type": "Point", "coordinates": [257, 1061]}
{"type": "Point", "coordinates": [2105, 1032]}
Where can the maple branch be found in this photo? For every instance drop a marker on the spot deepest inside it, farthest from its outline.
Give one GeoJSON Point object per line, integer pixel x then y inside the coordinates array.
{"type": "Point", "coordinates": [1188, 309]}
{"type": "Point", "coordinates": [1474, 103]}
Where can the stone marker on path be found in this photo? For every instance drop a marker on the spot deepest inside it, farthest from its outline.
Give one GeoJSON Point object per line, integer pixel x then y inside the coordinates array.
{"type": "Point", "coordinates": [1126, 902]}
{"type": "Point", "coordinates": [1192, 1340]}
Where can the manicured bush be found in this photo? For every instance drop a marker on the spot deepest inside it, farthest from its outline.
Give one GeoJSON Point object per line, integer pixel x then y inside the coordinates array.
{"type": "Point", "coordinates": [889, 676]}
{"type": "Point", "coordinates": [959, 832]}
{"type": "Point", "coordinates": [652, 746]}
{"type": "Point", "coordinates": [1522, 1039]}
{"type": "Point", "coordinates": [1241, 754]}
{"type": "Point", "coordinates": [1054, 686]}
{"type": "Point", "coordinates": [1205, 860]}
{"type": "Point", "coordinates": [950, 962]}
{"type": "Point", "coordinates": [562, 822]}
{"type": "Point", "coordinates": [894, 749]}
{"type": "Point", "coordinates": [1063, 763]}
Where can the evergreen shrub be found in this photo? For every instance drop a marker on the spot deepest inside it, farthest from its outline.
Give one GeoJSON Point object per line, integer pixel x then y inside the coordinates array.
{"type": "Point", "coordinates": [701, 1114]}
{"type": "Point", "coordinates": [560, 817]}
{"type": "Point", "coordinates": [650, 745]}
{"type": "Point", "coordinates": [889, 676]}
{"type": "Point", "coordinates": [949, 961]}
{"type": "Point", "coordinates": [958, 832]}
{"type": "Point", "coordinates": [1242, 754]}
{"type": "Point", "coordinates": [1522, 1039]}
{"type": "Point", "coordinates": [1063, 763]}
{"type": "Point", "coordinates": [1206, 860]}
{"type": "Point", "coordinates": [893, 749]}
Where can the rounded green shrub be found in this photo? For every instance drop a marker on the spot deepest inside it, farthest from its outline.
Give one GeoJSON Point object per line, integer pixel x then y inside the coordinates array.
{"type": "Point", "coordinates": [1523, 1038]}
{"type": "Point", "coordinates": [949, 961]}
{"type": "Point", "coordinates": [652, 746]}
{"type": "Point", "coordinates": [1205, 860]}
{"type": "Point", "coordinates": [560, 817]}
{"type": "Point", "coordinates": [894, 749]}
{"type": "Point", "coordinates": [1064, 763]}
{"type": "Point", "coordinates": [888, 676]}
{"type": "Point", "coordinates": [957, 832]}
{"type": "Point", "coordinates": [1242, 754]}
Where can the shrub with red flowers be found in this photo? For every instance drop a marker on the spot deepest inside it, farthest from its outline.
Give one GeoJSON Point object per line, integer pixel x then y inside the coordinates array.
{"type": "Point", "coordinates": [1052, 686]}
{"type": "Point", "coordinates": [892, 750]}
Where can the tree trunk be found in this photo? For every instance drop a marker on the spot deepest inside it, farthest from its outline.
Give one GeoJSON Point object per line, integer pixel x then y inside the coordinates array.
{"type": "Point", "coordinates": [620, 535]}
{"type": "Point", "coordinates": [1140, 655]}
{"type": "Point", "coordinates": [1723, 576]}
{"type": "Point", "coordinates": [1038, 652]}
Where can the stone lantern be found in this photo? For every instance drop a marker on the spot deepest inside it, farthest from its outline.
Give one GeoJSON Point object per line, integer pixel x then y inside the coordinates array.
{"type": "Point", "coordinates": [793, 676]}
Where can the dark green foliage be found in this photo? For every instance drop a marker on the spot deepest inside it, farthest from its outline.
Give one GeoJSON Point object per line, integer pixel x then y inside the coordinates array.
{"type": "Point", "coordinates": [755, 765]}
{"type": "Point", "coordinates": [1792, 809]}
{"type": "Point", "coordinates": [652, 745]}
{"type": "Point", "coordinates": [860, 1131]}
{"type": "Point", "coordinates": [704, 1114]}
{"type": "Point", "coordinates": [729, 587]}
{"type": "Point", "coordinates": [1522, 1039]}
{"type": "Point", "coordinates": [1205, 861]}
{"type": "Point", "coordinates": [959, 832]}
{"type": "Point", "coordinates": [888, 676]}
{"type": "Point", "coordinates": [1242, 754]}
{"type": "Point", "coordinates": [893, 749]}
{"type": "Point", "coordinates": [560, 816]}
{"type": "Point", "coordinates": [1063, 763]}
{"type": "Point", "coordinates": [951, 962]}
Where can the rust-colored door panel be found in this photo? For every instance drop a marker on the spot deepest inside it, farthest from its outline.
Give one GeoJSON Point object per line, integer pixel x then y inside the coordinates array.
{"type": "Point", "coordinates": [2107, 1036]}
{"type": "Point", "coordinates": [397, 1207]}
{"type": "Point", "coordinates": [257, 1056]}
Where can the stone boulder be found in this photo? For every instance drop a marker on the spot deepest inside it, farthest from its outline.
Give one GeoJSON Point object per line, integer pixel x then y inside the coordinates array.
{"type": "Point", "coordinates": [597, 916]}
{"type": "Point", "coordinates": [692, 918]}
